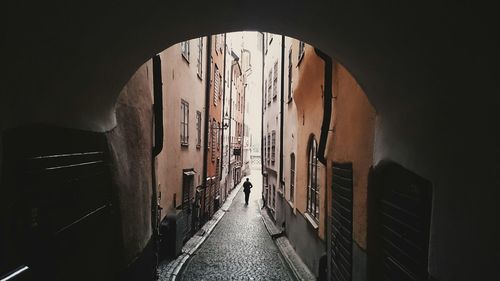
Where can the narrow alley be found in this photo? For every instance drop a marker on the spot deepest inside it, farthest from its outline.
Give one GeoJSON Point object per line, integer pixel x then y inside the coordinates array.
{"type": "Point", "coordinates": [239, 248]}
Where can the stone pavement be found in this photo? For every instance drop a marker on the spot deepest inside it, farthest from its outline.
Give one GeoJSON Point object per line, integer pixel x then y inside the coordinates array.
{"type": "Point", "coordinates": [168, 270]}
{"type": "Point", "coordinates": [295, 263]}
{"type": "Point", "coordinates": [239, 248]}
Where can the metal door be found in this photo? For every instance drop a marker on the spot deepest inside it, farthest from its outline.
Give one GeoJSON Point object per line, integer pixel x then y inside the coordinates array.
{"type": "Point", "coordinates": [399, 224]}
{"type": "Point", "coordinates": [341, 223]}
{"type": "Point", "coordinates": [59, 218]}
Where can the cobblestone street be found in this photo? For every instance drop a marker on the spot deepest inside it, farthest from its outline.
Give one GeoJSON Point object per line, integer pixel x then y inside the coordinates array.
{"type": "Point", "coordinates": [239, 248]}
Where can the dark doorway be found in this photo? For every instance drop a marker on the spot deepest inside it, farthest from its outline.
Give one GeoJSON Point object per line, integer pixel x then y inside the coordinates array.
{"type": "Point", "coordinates": [341, 223]}
{"type": "Point", "coordinates": [399, 223]}
{"type": "Point", "coordinates": [187, 187]}
{"type": "Point", "coordinates": [60, 220]}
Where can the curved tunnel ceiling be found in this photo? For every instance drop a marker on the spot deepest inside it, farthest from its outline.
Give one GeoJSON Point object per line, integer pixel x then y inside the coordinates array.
{"type": "Point", "coordinates": [65, 63]}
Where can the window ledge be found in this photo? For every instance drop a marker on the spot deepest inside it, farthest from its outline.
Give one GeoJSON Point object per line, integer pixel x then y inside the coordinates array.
{"type": "Point", "coordinates": [311, 220]}
{"type": "Point", "coordinates": [184, 144]}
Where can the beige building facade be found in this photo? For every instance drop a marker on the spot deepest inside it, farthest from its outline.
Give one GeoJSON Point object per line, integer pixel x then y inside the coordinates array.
{"type": "Point", "coordinates": [180, 164]}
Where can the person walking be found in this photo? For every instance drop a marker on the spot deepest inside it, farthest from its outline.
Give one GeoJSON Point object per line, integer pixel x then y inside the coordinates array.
{"type": "Point", "coordinates": [247, 185]}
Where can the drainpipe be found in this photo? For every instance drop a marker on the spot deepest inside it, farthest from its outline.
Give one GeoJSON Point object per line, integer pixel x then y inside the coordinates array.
{"type": "Point", "coordinates": [327, 105]}
{"type": "Point", "coordinates": [327, 115]}
{"type": "Point", "coordinates": [157, 106]}
{"type": "Point", "coordinates": [157, 148]}
{"type": "Point", "coordinates": [262, 152]}
{"type": "Point", "coordinates": [207, 111]}
{"type": "Point", "coordinates": [282, 108]}
{"type": "Point", "coordinates": [223, 108]}
{"type": "Point", "coordinates": [233, 63]}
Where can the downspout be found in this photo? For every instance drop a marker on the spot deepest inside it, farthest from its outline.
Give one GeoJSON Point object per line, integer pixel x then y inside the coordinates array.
{"type": "Point", "coordinates": [157, 147]}
{"type": "Point", "coordinates": [223, 108]}
{"type": "Point", "coordinates": [325, 126]}
{"type": "Point", "coordinates": [207, 111]}
{"type": "Point", "coordinates": [262, 152]}
{"type": "Point", "coordinates": [282, 108]}
{"type": "Point", "coordinates": [327, 105]}
{"type": "Point", "coordinates": [230, 120]}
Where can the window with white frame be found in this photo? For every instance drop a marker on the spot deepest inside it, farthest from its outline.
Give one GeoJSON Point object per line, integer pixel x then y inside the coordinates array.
{"type": "Point", "coordinates": [275, 81]}
{"type": "Point", "coordinates": [265, 149]}
{"type": "Point", "coordinates": [198, 129]}
{"type": "Point", "coordinates": [273, 146]}
{"type": "Point", "coordinates": [199, 60]}
{"type": "Point", "coordinates": [265, 94]}
{"type": "Point", "coordinates": [214, 139]}
{"type": "Point", "coordinates": [217, 79]}
{"type": "Point", "coordinates": [269, 86]}
{"type": "Point", "coordinates": [184, 122]}
{"type": "Point", "coordinates": [185, 49]}
{"type": "Point", "coordinates": [274, 196]}
{"type": "Point", "coordinates": [219, 135]}
{"type": "Point", "coordinates": [312, 180]}
{"type": "Point", "coordinates": [268, 148]}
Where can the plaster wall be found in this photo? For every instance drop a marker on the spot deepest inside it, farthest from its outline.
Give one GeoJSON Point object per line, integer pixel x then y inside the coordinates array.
{"type": "Point", "coordinates": [308, 98]}
{"type": "Point", "coordinates": [217, 56]}
{"type": "Point", "coordinates": [180, 82]}
{"type": "Point", "coordinates": [351, 139]}
{"type": "Point", "coordinates": [272, 117]}
{"type": "Point", "coordinates": [299, 232]}
{"type": "Point", "coordinates": [290, 125]}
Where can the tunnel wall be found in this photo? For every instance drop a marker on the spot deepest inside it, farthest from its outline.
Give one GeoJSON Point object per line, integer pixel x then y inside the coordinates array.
{"type": "Point", "coordinates": [130, 145]}
{"type": "Point", "coordinates": [433, 83]}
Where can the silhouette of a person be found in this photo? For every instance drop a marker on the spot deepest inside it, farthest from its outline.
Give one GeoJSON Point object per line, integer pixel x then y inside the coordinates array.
{"type": "Point", "coordinates": [247, 185]}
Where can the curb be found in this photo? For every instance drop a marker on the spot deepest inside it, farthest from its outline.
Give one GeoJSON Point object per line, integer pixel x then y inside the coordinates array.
{"type": "Point", "coordinates": [170, 271]}
{"type": "Point", "coordinates": [295, 263]}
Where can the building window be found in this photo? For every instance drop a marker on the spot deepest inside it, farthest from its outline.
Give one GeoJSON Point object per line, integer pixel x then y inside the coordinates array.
{"type": "Point", "coordinates": [218, 135]}
{"type": "Point", "coordinates": [312, 181]}
{"type": "Point", "coordinates": [268, 148]}
{"type": "Point", "coordinates": [274, 196]}
{"type": "Point", "coordinates": [265, 94]}
{"type": "Point", "coordinates": [198, 129]}
{"type": "Point", "coordinates": [292, 176]}
{"type": "Point", "coordinates": [199, 61]}
{"type": "Point", "coordinates": [290, 75]}
{"type": "Point", "coordinates": [238, 102]}
{"type": "Point", "coordinates": [302, 47]}
{"type": "Point", "coordinates": [273, 146]}
{"type": "Point", "coordinates": [265, 149]}
{"type": "Point", "coordinates": [184, 123]}
{"type": "Point", "coordinates": [217, 79]}
{"type": "Point", "coordinates": [269, 86]}
{"type": "Point", "coordinates": [214, 138]}
{"type": "Point", "coordinates": [275, 81]}
{"type": "Point", "coordinates": [185, 50]}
